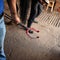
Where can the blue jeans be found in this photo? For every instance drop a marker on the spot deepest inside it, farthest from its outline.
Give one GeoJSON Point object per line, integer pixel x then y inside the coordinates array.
{"type": "Point", "coordinates": [2, 36]}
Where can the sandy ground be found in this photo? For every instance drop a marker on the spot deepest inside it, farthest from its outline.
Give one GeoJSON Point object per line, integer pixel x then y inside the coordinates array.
{"type": "Point", "coordinates": [18, 46]}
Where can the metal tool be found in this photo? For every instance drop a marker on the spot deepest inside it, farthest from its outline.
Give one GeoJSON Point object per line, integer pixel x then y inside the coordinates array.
{"type": "Point", "coordinates": [29, 31]}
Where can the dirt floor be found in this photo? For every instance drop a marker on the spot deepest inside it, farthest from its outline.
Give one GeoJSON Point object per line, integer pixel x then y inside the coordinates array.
{"type": "Point", "coordinates": [19, 46]}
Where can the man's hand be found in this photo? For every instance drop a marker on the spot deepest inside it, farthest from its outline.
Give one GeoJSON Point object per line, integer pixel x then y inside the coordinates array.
{"type": "Point", "coordinates": [42, 1]}
{"type": "Point", "coordinates": [15, 18]}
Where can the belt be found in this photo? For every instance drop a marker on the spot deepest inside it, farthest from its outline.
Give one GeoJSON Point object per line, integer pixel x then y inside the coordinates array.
{"type": "Point", "coordinates": [1, 15]}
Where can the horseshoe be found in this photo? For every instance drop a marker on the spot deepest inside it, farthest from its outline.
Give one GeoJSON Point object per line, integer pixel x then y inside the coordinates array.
{"type": "Point", "coordinates": [30, 29]}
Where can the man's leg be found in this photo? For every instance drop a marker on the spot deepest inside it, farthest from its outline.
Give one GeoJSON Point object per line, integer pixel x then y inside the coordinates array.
{"type": "Point", "coordinates": [2, 36]}
{"type": "Point", "coordinates": [39, 9]}
{"type": "Point", "coordinates": [24, 7]}
{"type": "Point", "coordinates": [33, 13]}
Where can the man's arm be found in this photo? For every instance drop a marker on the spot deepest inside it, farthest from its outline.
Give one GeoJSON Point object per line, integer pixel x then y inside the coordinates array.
{"type": "Point", "coordinates": [13, 10]}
